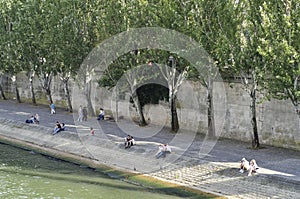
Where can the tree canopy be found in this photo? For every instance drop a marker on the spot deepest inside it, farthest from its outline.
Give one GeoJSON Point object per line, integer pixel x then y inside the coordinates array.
{"type": "Point", "coordinates": [256, 40]}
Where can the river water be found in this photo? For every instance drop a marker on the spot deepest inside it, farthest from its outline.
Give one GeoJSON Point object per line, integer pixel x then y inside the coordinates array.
{"type": "Point", "coordinates": [25, 174]}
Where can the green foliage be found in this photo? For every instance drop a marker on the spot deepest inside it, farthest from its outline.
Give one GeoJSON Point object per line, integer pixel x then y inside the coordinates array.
{"type": "Point", "coordinates": [256, 39]}
{"type": "Point", "coordinates": [280, 48]}
{"type": "Point", "coordinates": [138, 58]}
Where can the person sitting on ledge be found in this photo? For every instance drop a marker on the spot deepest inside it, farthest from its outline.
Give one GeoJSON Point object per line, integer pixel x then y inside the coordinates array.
{"type": "Point", "coordinates": [129, 141]}
{"type": "Point", "coordinates": [31, 120]}
{"type": "Point", "coordinates": [63, 126]}
{"type": "Point", "coordinates": [244, 166]}
{"type": "Point", "coordinates": [101, 114]}
{"type": "Point", "coordinates": [163, 149]}
{"type": "Point", "coordinates": [58, 127]}
{"type": "Point", "coordinates": [251, 166]}
{"type": "Point", "coordinates": [37, 119]}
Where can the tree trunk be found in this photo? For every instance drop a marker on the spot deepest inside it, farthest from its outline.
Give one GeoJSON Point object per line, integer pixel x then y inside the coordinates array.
{"type": "Point", "coordinates": [142, 121]}
{"type": "Point", "coordinates": [46, 86]}
{"type": "Point", "coordinates": [32, 91]}
{"type": "Point", "coordinates": [91, 111]}
{"type": "Point", "coordinates": [67, 95]}
{"type": "Point", "coordinates": [210, 111]}
{"type": "Point", "coordinates": [117, 105]}
{"type": "Point", "coordinates": [174, 117]}
{"type": "Point", "coordinates": [14, 83]}
{"type": "Point", "coordinates": [297, 112]}
{"type": "Point", "coordinates": [2, 93]}
{"type": "Point", "coordinates": [255, 140]}
{"type": "Point", "coordinates": [48, 94]}
{"type": "Point", "coordinates": [299, 119]}
{"type": "Point", "coordinates": [18, 95]}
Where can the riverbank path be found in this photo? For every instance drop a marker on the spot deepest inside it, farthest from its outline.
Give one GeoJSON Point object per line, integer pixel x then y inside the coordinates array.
{"type": "Point", "coordinates": [196, 162]}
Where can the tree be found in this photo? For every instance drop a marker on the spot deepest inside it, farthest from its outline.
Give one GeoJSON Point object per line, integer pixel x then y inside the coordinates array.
{"type": "Point", "coordinates": [27, 31]}
{"type": "Point", "coordinates": [3, 41]}
{"type": "Point", "coordinates": [34, 28]}
{"type": "Point", "coordinates": [11, 47]}
{"type": "Point", "coordinates": [125, 74]}
{"type": "Point", "coordinates": [121, 17]}
{"type": "Point", "coordinates": [1, 89]}
{"type": "Point", "coordinates": [132, 80]}
{"type": "Point", "coordinates": [91, 30]}
{"type": "Point", "coordinates": [198, 20]}
{"type": "Point", "coordinates": [249, 63]}
{"type": "Point", "coordinates": [174, 81]}
{"type": "Point", "coordinates": [70, 48]}
{"type": "Point", "coordinates": [235, 46]}
{"type": "Point", "coordinates": [280, 47]}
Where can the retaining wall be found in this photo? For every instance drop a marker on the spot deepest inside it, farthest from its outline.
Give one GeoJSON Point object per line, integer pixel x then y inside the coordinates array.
{"type": "Point", "coordinates": [278, 124]}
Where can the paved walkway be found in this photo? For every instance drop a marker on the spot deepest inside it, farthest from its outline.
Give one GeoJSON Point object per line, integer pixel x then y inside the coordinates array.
{"type": "Point", "coordinates": [188, 164]}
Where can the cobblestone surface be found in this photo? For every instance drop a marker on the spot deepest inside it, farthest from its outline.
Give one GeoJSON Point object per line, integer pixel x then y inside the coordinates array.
{"type": "Point", "coordinates": [217, 172]}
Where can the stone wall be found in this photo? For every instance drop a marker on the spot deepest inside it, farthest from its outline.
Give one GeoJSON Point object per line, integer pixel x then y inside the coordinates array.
{"type": "Point", "coordinates": [278, 124]}
{"type": "Point", "coordinates": [277, 120]}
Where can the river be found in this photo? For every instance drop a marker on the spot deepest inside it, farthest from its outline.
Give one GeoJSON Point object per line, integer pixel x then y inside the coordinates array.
{"type": "Point", "coordinates": [26, 174]}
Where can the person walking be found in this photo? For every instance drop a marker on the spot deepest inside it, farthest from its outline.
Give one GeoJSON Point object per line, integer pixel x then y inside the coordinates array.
{"type": "Point", "coordinates": [85, 114]}
{"type": "Point", "coordinates": [80, 114]}
{"type": "Point", "coordinates": [52, 107]}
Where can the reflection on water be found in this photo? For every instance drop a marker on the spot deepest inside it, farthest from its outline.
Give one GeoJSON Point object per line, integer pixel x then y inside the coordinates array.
{"type": "Point", "coordinates": [25, 174]}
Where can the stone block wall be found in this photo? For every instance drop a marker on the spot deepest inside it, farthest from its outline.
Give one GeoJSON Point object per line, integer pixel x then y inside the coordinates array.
{"type": "Point", "coordinates": [278, 124]}
{"type": "Point", "coordinates": [277, 120]}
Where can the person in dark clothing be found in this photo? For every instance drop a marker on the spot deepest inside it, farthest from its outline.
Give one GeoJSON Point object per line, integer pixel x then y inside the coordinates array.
{"type": "Point", "coordinates": [85, 114]}
{"type": "Point", "coordinates": [57, 128]}
{"type": "Point", "coordinates": [129, 141]}
{"type": "Point", "coordinates": [101, 114]}
{"type": "Point", "coordinates": [31, 120]}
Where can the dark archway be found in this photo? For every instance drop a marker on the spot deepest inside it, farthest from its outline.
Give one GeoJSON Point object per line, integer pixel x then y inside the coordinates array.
{"type": "Point", "coordinates": [152, 94]}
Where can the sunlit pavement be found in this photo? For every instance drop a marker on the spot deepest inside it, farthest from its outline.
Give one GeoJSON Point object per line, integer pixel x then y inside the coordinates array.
{"type": "Point", "coordinates": [217, 172]}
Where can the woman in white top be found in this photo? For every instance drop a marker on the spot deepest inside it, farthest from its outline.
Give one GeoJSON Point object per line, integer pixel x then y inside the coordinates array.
{"type": "Point", "coordinates": [253, 167]}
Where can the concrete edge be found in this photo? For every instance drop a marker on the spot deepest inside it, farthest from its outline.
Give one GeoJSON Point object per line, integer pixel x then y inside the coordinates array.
{"type": "Point", "coordinates": [92, 163]}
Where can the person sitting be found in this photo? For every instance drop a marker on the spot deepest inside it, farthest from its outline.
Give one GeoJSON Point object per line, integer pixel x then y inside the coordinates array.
{"type": "Point", "coordinates": [31, 120]}
{"type": "Point", "coordinates": [253, 167]}
{"type": "Point", "coordinates": [244, 166]}
{"type": "Point", "coordinates": [129, 141]}
{"type": "Point", "coordinates": [101, 114]}
{"type": "Point", "coordinates": [36, 119]}
{"type": "Point", "coordinates": [248, 166]}
{"type": "Point", "coordinates": [63, 126]}
{"type": "Point", "coordinates": [92, 131]}
{"type": "Point", "coordinates": [163, 149]}
{"type": "Point", "coordinates": [57, 128]}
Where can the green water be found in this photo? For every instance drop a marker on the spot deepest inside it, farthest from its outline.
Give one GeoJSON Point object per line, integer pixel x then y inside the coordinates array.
{"type": "Point", "coordinates": [25, 174]}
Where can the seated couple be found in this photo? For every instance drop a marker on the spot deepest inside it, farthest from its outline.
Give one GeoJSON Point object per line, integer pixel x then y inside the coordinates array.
{"type": "Point", "coordinates": [33, 119]}
{"type": "Point", "coordinates": [58, 127]}
{"type": "Point", "coordinates": [163, 149]}
{"type": "Point", "coordinates": [251, 166]}
{"type": "Point", "coordinates": [129, 141]}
